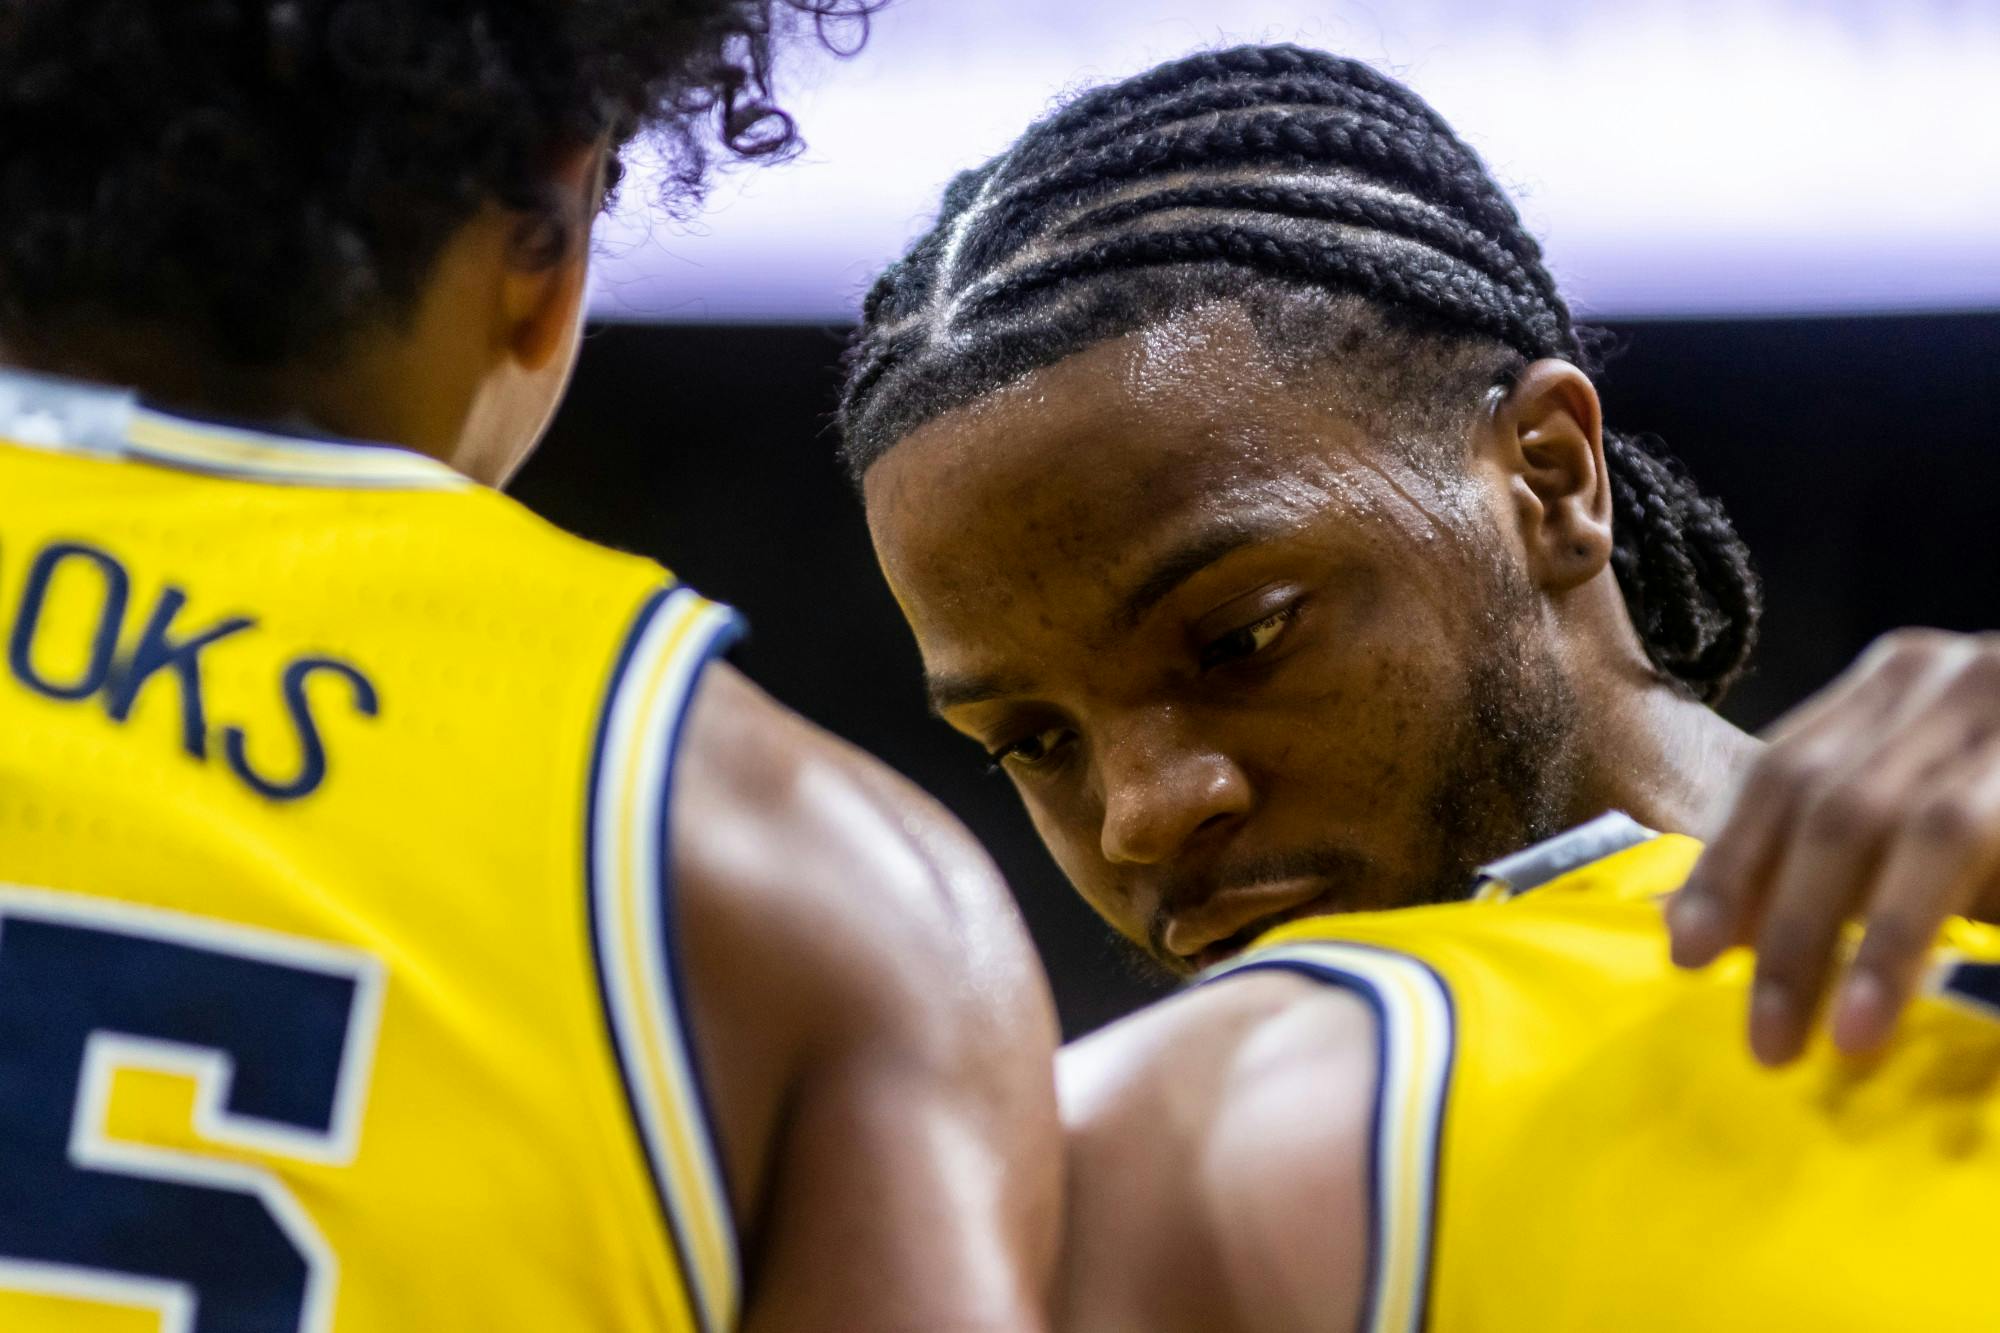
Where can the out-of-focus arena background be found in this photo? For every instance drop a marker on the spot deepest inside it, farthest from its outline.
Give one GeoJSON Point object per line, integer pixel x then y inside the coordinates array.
{"type": "Point", "coordinates": [1785, 211]}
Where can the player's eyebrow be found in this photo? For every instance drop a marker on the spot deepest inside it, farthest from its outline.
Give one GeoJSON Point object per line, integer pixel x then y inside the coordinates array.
{"type": "Point", "coordinates": [949, 691]}
{"type": "Point", "coordinates": [1179, 564]}
{"type": "Point", "coordinates": [1183, 562]}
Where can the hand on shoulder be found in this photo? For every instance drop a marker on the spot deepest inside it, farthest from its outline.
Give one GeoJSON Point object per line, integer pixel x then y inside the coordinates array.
{"type": "Point", "coordinates": [1878, 800]}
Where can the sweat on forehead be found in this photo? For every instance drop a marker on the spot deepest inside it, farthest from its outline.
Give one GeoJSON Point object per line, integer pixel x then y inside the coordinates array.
{"type": "Point", "coordinates": [1400, 387]}
{"type": "Point", "coordinates": [1101, 475]}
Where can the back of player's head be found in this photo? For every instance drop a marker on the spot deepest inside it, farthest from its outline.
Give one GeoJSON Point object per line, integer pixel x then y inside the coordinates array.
{"type": "Point", "coordinates": [1342, 211]}
{"type": "Point", "coordinates": [263, 176]}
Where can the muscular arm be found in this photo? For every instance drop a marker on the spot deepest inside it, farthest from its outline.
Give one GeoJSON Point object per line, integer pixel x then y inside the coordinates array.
{"type": "Point", "coordinates": [1218, 1164]}
{"type": "Point", "coordinates": [877, 1036]}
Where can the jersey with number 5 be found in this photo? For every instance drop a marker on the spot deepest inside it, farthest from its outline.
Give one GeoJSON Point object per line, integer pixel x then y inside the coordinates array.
{"type": "Point", "coordinates": [337, 984]}
{"type": "Point", "coordinates": [1572, 1135]}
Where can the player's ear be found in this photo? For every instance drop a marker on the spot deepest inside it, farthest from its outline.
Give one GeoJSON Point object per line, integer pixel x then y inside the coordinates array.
{"type": "Point", "coordinates": [1547, 432]}
{"type": "Point", "coordinates": [548, 259]}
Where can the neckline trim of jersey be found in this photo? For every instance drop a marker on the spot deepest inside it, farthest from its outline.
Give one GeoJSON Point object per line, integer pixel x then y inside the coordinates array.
{"type": "Point", "coordinates": [1610, 833]}
{"type": "Point", "coordinates": [98, 421]}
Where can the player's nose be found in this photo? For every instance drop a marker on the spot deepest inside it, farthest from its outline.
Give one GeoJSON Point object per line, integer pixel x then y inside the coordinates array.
{"type": "Point", "coordinates": [1161, 794]}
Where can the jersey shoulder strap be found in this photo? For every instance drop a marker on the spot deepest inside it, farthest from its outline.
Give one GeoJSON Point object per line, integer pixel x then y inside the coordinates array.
{"type": "Point", "coordinates": [1411, 966]}
{"type": "Point", "coordinates": [630, 885]}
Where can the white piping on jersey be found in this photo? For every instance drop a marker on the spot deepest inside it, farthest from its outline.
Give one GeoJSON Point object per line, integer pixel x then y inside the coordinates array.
{"type": "Point", "coordinates": [1416, 1038]}
{"type": "Point", "coordinates": [71, 416]}
{"type": "Point", "coordinates": [1610, 833]}
{"type": "Point", "coordinates": [630, 864]}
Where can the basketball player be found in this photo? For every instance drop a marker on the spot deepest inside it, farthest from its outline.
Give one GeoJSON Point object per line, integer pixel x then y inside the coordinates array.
{"type": "Point", "coordinates": [406, 922]}
{"type": "Point", "coordinates": [1515, 1114]}
{"type": "Point", "coordinates": [1231, 452]}
{"type": "Point", "coordinates": [1228, 447]}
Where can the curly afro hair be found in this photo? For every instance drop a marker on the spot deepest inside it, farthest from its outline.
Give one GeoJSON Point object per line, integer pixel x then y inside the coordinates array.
{"type": "Point", "coordinates": [266, 176]}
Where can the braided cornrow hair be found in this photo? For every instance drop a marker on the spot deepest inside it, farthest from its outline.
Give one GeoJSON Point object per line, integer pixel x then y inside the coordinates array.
{"type": "Point", "coordinates": [1263, 174]}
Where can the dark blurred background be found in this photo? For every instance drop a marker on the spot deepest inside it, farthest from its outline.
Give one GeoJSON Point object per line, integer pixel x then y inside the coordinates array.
{"type": "Point", "coordinates": [1858, 456]}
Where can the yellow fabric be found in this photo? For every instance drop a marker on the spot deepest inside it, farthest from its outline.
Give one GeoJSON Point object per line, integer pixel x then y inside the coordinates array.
{"type": "Point", "coordinates": [496, 704]}
{"type": "Point", "coordinates": [1612, 1157]}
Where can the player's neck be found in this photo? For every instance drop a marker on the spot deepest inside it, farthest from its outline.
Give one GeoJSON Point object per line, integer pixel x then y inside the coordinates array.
{"type": "Point", "coordinates": [1643, 745]}
{"type": "Point", "coordinates": [1666, 759]}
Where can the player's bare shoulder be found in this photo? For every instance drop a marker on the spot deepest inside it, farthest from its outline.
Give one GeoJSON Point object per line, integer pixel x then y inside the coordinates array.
{"type": "Point", "coordinates": [876, 1030]}
{"type": "Point", "coordinates": [1217, 1147]}
{"type": "Point", "coordinates": [774, 807]}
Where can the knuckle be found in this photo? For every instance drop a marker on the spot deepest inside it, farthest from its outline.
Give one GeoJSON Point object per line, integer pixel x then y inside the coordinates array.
{"type": "Point", "coordinates": [1846, 812]}
{"type": "Point", "coordinates": [1714, 889]}
{"type": "Point", "coordinates": [1914, 640]}
{"type": "Point", "coordinates": [1948, 817]}
{"type": "Point", "coordinates": [1902, 652]}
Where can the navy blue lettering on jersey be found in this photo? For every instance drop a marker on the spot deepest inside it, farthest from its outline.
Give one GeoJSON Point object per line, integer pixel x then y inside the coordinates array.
{"type": "Point", "coordinates": [158, 651]}
{"type": "Point", "coordinates": [164, 649]}
{"type": "Point", "coordinates": [312, 749]}
{"type": "Point", "coordinates": [114, 589]}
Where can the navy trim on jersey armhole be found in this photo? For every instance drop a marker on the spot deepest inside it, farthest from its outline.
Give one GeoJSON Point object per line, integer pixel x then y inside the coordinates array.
{"type": "Point", "coordinates": [1370, 994]}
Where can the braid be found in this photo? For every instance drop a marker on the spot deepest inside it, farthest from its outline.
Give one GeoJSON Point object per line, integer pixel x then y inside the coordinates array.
{"type": "Point", "coordinates": [1282, 138]}
{"type": "Point", "coordinates": [1394, 215]}
{"type": "Point", "coordinates": [1450, 292]}
{"type": "Point", "coordinates": [1268, 175]}
{"type": "Point", "coordinates": [1686, 574]}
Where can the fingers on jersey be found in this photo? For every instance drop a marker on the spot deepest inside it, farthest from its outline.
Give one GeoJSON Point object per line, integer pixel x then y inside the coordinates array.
{"type": "Point", "coordinates": [1825, 874]}
{"type": "Point", "coordinates": [1874, 802]}
{"type": "Point", "coordinates": [1722, 901]}
{"type": "Point", "coordinates": [1945, 858]}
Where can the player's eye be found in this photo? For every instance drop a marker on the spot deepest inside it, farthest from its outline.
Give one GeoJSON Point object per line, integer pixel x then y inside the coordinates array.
{"type": "Point", "coordinates": [1031, 750]}
{"type": "Point", "coordinates": [1249, 640]}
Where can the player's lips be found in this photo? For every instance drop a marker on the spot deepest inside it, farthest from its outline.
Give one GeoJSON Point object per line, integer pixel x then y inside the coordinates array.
{"type": "Point", "coordinates": [1224, 924]}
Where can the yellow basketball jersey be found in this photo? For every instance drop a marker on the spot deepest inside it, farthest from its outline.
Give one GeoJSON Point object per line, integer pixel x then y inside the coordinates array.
{"type": "Point", "coordinates": [337, 983]}
{"type": "Point", "coordinates": [1572, 1135]}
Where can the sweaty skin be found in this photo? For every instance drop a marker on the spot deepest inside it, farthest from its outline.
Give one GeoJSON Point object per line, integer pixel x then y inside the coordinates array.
{"type": "Point", "coordinates": [875, 1032]}
{"type": "Point", "coordinates": [1243, 662]}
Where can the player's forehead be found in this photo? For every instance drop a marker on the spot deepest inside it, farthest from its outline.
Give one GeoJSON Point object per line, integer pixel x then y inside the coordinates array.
{"type": "Point", "coordinates": [1036, 519]}
{"type": "Point", "coordinates": [1075, 470]}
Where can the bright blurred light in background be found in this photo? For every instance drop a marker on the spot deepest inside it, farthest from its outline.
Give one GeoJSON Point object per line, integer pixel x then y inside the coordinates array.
{"type": "Point", "coordinates": [1678, 157]}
